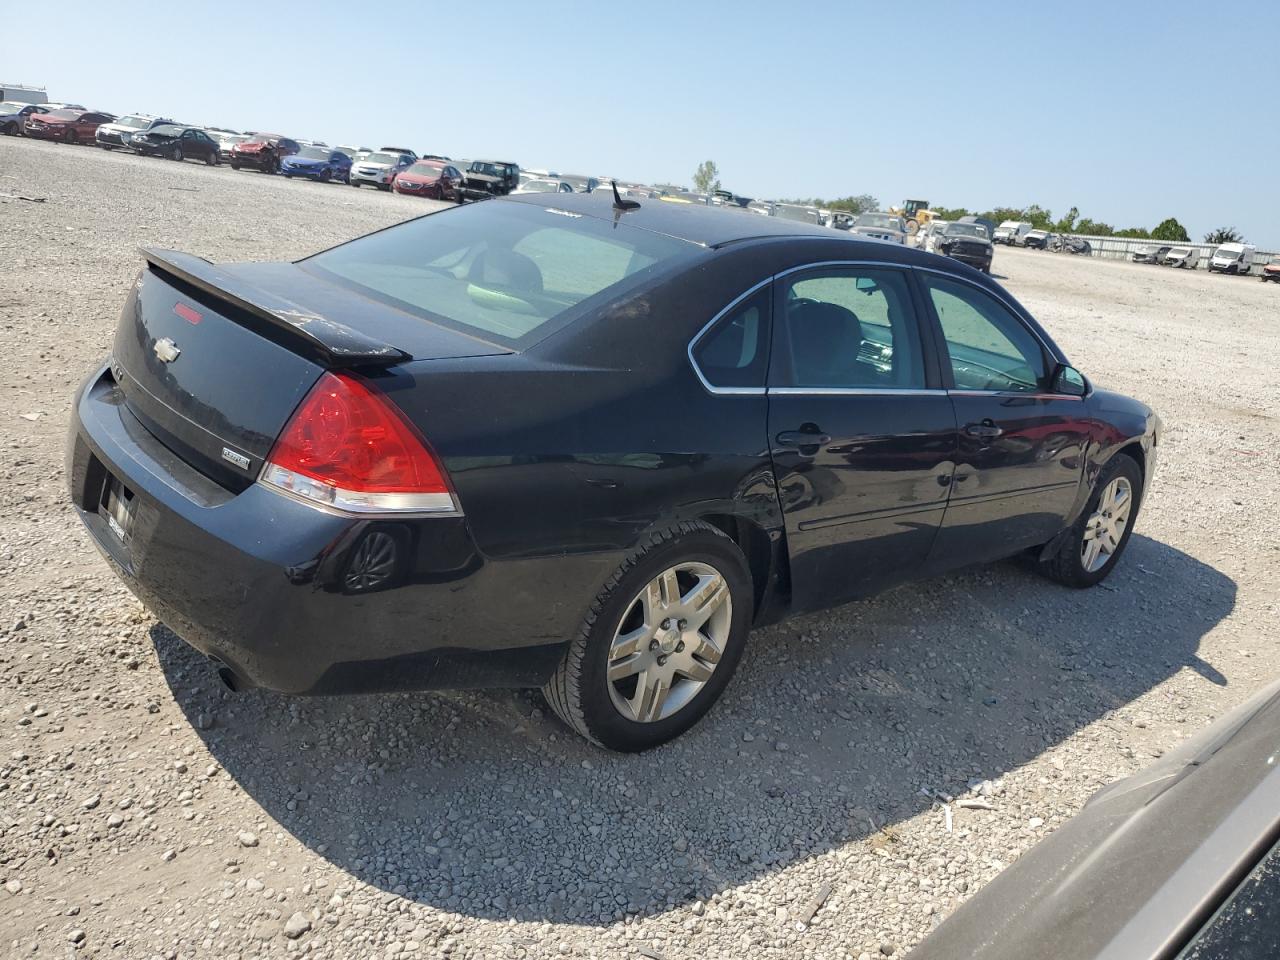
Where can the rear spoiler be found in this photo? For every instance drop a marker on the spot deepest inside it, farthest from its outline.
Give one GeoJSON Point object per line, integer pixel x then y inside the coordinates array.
{"type": "Point", "coordinates": [336, 343]}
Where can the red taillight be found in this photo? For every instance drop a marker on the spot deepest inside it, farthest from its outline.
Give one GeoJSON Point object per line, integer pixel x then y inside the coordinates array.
{"type": "Point", "coordinates": [348, 447]}
{"type": "Point", "coordinates": [187, 313]}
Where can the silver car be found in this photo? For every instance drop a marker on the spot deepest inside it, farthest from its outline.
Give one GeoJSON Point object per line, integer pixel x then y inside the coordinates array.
{"type": "Point", "coordinates": [380, 169]}
{"type": "Point", "coordinates": [118, 132]}
{"type": "Point", "coordinates": [881, 226]}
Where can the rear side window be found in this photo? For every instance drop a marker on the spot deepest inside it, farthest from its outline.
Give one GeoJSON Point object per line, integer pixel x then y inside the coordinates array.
{"type": "Point", "coordinates": [851, 327]}
{"type": "Point", "coordinates": [509, 272]}
{"type": "Point", "coordinates": [735, 352]}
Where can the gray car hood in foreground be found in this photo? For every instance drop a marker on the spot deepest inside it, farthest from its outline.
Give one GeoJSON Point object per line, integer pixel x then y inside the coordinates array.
{"type": "Point", "coordinates": [1139, 870]}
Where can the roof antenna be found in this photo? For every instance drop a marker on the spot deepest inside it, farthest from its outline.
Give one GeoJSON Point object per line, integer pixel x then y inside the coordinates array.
{"type": "Point", "coordinates": [619, 203]}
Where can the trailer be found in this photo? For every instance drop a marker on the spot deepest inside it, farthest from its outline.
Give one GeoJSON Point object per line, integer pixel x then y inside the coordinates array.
{"type": "Point", "coordinates": [21, 93]}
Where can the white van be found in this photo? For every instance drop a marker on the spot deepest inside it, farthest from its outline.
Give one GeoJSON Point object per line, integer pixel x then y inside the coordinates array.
{"type": "Point", "coordinates": [1185, 257]}
{"type": "Point", "coordinates": [1012, 232]}
{"type": "Point", "coordinates": [1233, 258]}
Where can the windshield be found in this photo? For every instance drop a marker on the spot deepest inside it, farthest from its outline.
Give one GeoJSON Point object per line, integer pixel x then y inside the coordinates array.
{"type": "Point", "coordinates": [167, 130]}
{"type": "Point", "coordinates": [10, 108]}
{"type": "Point", "coordinates": [1229, 253]}
{"type": "Point", "coordinates": [262, 138]}
{"type": "Point", "coordinates": [488, 169]}
{"type": "Point", "coordinates": [232, 138]}
{"type": "Point", "coordinates": [877, 220]}
{"type": "Point", "coordinates": [383, 158]}
{"type": "Point", "coordinates": [133, 123]}
{"type": "Point", "coordinates": [66, 114]}
{"type": "Point", "coordinates": [427, 169]}
{"type": "Point", "coordinates": [313, 153]}
{"type": "Point", "coordinates": [509, 272]}
{"type": "Point", "coordinates": [965, 230]}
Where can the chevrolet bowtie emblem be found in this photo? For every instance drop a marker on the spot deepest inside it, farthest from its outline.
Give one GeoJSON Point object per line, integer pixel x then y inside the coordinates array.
{"type": "Point", "coordinates": [166, 350]}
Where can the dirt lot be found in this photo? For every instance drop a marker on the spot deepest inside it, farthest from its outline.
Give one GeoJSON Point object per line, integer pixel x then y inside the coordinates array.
{"type": "Point", "coordinates": [144, 812]}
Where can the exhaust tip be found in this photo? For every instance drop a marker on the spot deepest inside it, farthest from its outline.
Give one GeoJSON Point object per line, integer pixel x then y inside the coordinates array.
{"type": "Point", "coordinates": [230, 679]}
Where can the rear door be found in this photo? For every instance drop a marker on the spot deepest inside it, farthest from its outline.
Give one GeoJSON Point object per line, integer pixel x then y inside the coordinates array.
{"type": "Point", "coordinates": [863, 437]}
{"type": "Point", "coordinates": [1021, 446]}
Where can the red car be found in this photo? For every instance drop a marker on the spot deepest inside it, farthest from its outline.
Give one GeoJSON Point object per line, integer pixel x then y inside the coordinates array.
{"type": "Point", "coordinates": [69, 126]}
{"type": "Point", "coordinates": [430, 178]}
{"type": "Point", "coordinates": [263, 152]}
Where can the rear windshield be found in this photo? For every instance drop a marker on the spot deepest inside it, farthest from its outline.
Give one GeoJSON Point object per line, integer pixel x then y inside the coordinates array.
{"type": "Point", "coordinates": [507, 272]}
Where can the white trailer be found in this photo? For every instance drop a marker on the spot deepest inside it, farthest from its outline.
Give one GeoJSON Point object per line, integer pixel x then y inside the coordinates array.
{"type": "Point", "coordinates": [20, 93]}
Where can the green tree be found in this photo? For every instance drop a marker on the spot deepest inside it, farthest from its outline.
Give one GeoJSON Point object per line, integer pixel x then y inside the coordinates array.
{"type": "Point", "coordinates": [706, 178]}
{"type": "Point", "coordinates": [1134, 233]}
{"type": "Point", "coordinates": [1038, 217]}
{"type": "Point", "coordinates": [1068, 223]}
{"type": "Point", "coordinates": [862, 203]}
{"type": "Point", "coordinates": [950, 214]}
{"type": "Point", "coordinates": [1170, 229]}
{"type": "Point", "coordinates": [1094, 228]}
{"type": "Point", "coordinates": [1224, 235]}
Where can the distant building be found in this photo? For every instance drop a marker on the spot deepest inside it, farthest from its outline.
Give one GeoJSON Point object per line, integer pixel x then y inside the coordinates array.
{"type": "Point", "coordinates": [23, 93]}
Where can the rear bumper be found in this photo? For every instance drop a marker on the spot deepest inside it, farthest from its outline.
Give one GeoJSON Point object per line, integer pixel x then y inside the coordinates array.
{"type": "Point", "coordinates": [268, 585]}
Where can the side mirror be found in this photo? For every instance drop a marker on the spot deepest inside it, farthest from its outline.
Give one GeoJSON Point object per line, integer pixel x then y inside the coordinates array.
{"type": "Point", "coordinates": [1069, 381]}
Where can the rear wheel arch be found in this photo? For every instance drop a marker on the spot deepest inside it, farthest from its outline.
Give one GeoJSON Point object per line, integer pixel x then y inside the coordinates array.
{"type": "Point", "coordinates": [755, 544]}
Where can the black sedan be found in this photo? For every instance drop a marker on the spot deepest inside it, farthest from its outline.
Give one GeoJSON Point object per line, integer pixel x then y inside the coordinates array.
{"type": "Point", "coordinates": [1180, 861]}
{"type": "Point", "coordinates": [584, 446]}
{"type": "Point", "coordinates": [177, 142]}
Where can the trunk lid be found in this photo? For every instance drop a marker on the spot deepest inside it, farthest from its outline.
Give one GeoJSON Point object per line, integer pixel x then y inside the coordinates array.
{"type": "Point", "coordinates": [213, 360]}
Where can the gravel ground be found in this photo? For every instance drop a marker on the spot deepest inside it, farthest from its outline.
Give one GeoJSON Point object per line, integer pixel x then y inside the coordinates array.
{"type": "Point", "coordinates": [145, 812]}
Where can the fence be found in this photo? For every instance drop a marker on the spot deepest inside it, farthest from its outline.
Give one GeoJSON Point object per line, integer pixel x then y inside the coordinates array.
{"type": "Point", "coordinates": [1123, 248]}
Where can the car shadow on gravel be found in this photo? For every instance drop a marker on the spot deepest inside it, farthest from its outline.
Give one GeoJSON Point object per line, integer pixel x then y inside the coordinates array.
{"type": "Point", "coordinates": [483, 804]}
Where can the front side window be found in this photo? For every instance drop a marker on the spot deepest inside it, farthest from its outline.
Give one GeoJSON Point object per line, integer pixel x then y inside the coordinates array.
{"type": "Point", "coordinates": [989, 347]}
{"type": "Point", "coordinates": [851, 327]}
{"type": "Point", "coordinates": [735, 352]}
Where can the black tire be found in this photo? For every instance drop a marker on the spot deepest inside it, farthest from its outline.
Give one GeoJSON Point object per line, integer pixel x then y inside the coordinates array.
{"type": "Point", "coordinates": [176, 154]}
{"type": "Point", "coordinates": [579, 690]}
{"type": "Point", "coordinates": [234, 165]}
{"type": "Point", "coordinates": [353, 183]}
{"type": "Point", "coordinates": [211, 158]}
{"type": "Point", "coordinates": [69, 136]}
{"type": "Point", "coordinates": [325, 176]}
{"type": "Point", "coordinates": [1066, 565]}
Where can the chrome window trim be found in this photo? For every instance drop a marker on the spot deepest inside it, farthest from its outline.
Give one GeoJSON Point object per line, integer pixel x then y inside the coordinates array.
{"type": "Point", "coordinates": [1035, 395]}
{"type": "Point", "coordinates": [863, 391]}
{"type": "Point", "coordinates": [857, 391]}
{"type": "Point", "coordinates": [707, 384]}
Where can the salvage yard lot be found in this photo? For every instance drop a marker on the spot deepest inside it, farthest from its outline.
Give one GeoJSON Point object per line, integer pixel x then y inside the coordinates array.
{"type": "Point", "coordinates": [144, 811]}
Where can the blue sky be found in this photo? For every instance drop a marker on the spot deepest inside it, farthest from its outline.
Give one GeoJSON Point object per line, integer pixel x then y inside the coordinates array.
{"type": "Point", "coordinates": [1131, 112]}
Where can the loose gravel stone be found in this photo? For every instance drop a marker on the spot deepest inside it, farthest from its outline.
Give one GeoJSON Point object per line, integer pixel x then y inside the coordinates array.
{"type": "Point", "coordinates": [471, 824]}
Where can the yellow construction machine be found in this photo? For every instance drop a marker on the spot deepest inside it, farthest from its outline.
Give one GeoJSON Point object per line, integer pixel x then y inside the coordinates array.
{"type": "Point", "coordinates": [916, 213]}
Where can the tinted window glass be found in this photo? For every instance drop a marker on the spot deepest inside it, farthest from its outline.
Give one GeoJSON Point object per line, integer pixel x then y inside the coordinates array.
{"type": "Point", "coordinates": [853, 327]}
{"type": "Point", "coordinates": [735, 352]}
{"type": "Point", "coordinates": [502, 269]}
{"type": "Point", "coordinates": [990, 348]}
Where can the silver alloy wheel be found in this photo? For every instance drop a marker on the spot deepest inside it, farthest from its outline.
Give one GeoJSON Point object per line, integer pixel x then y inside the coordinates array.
{"type": "Point", "coordinates": [1105, 528]}
{"type": "Point", "coordinates": [668, 642]}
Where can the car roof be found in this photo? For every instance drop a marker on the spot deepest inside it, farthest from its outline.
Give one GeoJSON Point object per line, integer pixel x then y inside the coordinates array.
{"type": "Point", "coordinates": [708, 226]}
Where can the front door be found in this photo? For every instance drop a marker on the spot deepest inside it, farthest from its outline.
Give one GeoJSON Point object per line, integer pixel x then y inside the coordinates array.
{"type": "Point", "coordinates": [863, 442]}
{"type": "Point", "coordinates": [1021, 447]}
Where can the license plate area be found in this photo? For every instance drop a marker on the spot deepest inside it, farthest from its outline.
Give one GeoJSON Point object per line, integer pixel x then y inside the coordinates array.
{"type": "Point", "coordinates": [116, 507]}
